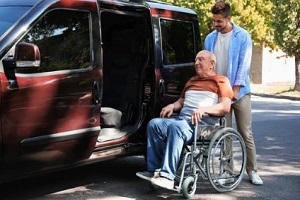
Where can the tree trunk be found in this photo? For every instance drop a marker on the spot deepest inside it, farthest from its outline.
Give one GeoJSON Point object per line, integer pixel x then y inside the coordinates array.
{"type": "Point", "coordinates": [297, 73]}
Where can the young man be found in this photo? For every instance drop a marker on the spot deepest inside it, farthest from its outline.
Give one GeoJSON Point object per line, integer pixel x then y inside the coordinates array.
{"type": "Point", "coordinates": [204, 93]}
{"type": "Point", "coordinates": [232, 46]}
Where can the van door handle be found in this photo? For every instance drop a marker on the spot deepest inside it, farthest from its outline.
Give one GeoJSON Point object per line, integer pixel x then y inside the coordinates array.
{"type": "Point", "coordinates": [162, 88]}
{"type": "Point", "coordinates": [96, 95]}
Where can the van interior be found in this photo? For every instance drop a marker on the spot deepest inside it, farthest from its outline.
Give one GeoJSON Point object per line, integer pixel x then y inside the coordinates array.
{"type": "Point", "coordinates": [125, 48]}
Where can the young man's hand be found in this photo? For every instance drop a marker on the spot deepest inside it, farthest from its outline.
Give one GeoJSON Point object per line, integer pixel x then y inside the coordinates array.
{"type": "Point", "coordinates": [236, 90]}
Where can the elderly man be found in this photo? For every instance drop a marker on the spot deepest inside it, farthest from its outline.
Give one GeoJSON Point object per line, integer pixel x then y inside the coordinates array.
{"type": "Point", "coordinates": [206, 92]}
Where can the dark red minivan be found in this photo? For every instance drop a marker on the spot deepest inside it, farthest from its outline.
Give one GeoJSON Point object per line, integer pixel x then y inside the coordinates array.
{"type": "Point", "coordinates": [80, 79]}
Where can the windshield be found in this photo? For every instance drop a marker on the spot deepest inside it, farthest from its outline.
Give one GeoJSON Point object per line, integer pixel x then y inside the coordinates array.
{"type": "Point", "coordinates": [9, 15]}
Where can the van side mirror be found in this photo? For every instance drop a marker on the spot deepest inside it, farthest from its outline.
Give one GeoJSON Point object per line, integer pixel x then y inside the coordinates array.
{"type": "Point", "coordinates": [27, 55]}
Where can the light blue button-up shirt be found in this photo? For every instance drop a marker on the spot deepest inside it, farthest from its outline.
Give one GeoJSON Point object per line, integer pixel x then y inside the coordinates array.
{"type": "Point", "coordinates": [239, 57]}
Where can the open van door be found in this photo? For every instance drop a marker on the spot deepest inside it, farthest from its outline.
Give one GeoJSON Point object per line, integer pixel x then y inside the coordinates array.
{"type": "Point", "coordinates": [51, 88]}
{"type": "Point", "coordinates": [126, 39]}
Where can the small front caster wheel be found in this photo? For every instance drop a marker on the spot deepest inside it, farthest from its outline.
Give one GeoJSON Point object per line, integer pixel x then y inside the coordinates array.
{"type": "Point", "coordinates": [189, 187]}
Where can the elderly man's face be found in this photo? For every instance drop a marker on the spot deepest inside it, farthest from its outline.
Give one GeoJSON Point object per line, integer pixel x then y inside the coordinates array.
{"type": "Point", "coordinates": [203, 65]}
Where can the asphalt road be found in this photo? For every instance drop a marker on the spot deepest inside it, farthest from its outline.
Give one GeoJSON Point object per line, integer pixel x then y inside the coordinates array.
{"type": "Point", "coordinates": [276, 127]}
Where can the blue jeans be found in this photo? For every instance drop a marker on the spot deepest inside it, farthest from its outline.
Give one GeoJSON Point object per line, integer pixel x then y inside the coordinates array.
{"type": "Point", "coordinates": [166, 138]}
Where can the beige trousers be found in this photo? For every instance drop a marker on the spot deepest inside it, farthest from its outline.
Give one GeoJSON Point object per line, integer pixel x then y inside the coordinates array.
{"type": "Point", "coordinates": [243, 116]}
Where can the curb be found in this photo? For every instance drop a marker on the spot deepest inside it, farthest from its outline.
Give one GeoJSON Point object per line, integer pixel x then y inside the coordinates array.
{"type": "Point", "coordinates": [293, 98]}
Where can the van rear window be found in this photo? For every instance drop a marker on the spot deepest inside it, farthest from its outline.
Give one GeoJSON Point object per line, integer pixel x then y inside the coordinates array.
{"type": "Point", "coordinates": [177, 41]}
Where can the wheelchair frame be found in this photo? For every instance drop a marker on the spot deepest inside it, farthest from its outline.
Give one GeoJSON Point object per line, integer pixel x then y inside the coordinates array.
{"type": "Point", "coordinates": [209, 158]}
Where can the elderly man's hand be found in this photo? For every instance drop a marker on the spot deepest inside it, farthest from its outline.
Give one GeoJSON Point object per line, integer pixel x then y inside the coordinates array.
{"type": "Point", "coordinates": [167, 111]}
{"type": "Point", "coordinates": [197, 115]}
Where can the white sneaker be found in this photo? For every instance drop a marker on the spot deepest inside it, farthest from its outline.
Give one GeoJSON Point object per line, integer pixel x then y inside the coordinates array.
{"type": "Point", "coordinates": [255, 179]}
{"type": "Point", "coordinates": [146, 175]}
{"type": "Point", "coordinates": [163, 182]}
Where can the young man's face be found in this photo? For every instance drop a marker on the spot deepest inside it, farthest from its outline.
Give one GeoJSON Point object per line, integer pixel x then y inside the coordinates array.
{"type": "Point", "coordinates": [220, 22]}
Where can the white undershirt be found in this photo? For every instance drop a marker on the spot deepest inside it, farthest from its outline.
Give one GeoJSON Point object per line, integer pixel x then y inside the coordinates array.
{"type": "Point", "coordinates": [221, 52]}
{"type": "Point", "coordinates": [195, 99]}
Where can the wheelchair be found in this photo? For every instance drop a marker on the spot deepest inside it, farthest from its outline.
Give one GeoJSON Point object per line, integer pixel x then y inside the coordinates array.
{"type": "Point", "coordinates": [217, 153]}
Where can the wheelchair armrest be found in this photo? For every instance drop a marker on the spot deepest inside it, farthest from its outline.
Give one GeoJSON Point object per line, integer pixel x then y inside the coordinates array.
{"type": "Point", "coordinates": [213, 116]}
{"type": "Point", "coordinates": [175, 114]}
{"type": "Point", "coordinates": [222, 119]}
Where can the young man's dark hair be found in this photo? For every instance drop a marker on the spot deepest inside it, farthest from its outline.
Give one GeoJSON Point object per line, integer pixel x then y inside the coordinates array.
{"type": "Point", "coordinates": [221, 7]}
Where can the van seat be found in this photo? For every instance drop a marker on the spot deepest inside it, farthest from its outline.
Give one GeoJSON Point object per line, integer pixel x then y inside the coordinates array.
{"type": "Point", "coordinates": [119, 85]}
{"type": "Point", "coordinates": [110, 117]}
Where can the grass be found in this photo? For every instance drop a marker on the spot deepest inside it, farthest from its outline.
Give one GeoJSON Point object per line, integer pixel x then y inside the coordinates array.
{"type": "Point", "coordinates": [279, 90]}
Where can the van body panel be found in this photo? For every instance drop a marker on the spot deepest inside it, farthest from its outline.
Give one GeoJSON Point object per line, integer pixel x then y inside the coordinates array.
{"type": "Point", "coordinates": [18, 2]}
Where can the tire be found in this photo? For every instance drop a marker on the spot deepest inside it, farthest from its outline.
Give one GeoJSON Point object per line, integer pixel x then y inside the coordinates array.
{"type": "Point", "coordinates": [189, 187]}
{"type": "Point", "coordinates": [226, 160]}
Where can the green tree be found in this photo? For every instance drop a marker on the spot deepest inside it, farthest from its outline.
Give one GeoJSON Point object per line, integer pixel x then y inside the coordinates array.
{"type": "Point", "coordinates": [271, 23]}
{"type": "Point", "coordinates": [201, 7]}
{"type": "Point", "coordinates": [255, 16]}
{"type": "Point", "coordinates": [286, 15]}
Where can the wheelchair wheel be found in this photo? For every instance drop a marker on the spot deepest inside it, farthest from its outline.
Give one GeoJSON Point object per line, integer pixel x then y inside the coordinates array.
{"type": "Point", "coordinates": [189, 187]}
{"type": "Point", "coordinates": [226, 159]}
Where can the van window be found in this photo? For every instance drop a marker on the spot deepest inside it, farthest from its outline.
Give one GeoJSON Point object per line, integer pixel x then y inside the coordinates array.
{"type": "Point", "coordinates": [63, 39]}
{"type": "Point", "coordinates": [177, 41]}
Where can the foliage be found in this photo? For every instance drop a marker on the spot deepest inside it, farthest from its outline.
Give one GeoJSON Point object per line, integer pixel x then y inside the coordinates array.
{"type": "Point", "coordinates": [202, 8]}
{"type": "Point", "coordinates": [255, 16]}
{"type": "Point", "coordinates": [286, 21]}
{"type": "Point", "coordinates": [286, 15]}
{"type": "Point", "coordinates": [271, 23]}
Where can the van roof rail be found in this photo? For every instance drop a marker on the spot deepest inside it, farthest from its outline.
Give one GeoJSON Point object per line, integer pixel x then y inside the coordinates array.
{"type": "Point", "coordinates": [137, 1]}
{"type": "Point", "coordinates": [156, 1]}
{"type": "Point", "coordinates": [143, 1]}
{"type": "Point", "coordinates": [163, 5]}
